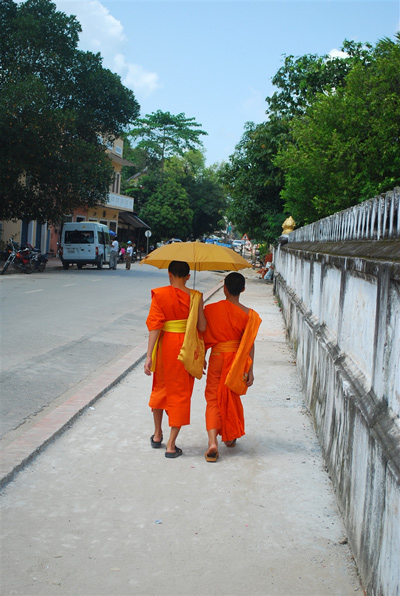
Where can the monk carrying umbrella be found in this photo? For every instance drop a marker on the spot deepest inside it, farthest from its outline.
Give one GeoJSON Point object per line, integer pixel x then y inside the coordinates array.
{"type": "Point", "coordinates": [168, 325]}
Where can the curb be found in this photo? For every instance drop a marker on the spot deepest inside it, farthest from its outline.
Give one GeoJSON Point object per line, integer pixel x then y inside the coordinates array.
{"type": "Point", "coordinates": [33, 441]}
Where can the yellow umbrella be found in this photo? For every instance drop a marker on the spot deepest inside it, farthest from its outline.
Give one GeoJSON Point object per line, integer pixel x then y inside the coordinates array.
{"type": "Point", "coordinates": [198, 255]}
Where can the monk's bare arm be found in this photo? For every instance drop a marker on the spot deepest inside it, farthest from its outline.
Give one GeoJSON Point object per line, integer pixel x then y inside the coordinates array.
{"type": "Point", "coordinates": [153, 335]}
{"type": "Point", "coordinates": [250, 378]}
{"type": "Point", "coordinates": [201, 320]}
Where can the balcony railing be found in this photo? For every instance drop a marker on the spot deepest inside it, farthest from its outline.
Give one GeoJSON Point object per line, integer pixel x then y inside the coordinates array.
{"type": "Point", "coordinates": [120, 201]}
{"type": "Point", "coordinates": [375, 219]}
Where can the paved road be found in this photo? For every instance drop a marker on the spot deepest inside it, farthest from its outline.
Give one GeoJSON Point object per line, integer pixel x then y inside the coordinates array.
{"type": "Point", "coordinates": [99, 512]}
{"type": "Point", "coordinates": [61, 328]}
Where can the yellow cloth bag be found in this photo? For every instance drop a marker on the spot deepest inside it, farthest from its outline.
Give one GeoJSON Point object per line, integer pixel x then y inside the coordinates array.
{"type": "Point", "coordinates": [193, 351]}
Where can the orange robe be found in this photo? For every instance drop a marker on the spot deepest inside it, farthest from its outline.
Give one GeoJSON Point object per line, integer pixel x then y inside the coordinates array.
{"type": "Point", "coordinates": [172, 385]}
{"type": "Point", "coordinates": [226, 322]}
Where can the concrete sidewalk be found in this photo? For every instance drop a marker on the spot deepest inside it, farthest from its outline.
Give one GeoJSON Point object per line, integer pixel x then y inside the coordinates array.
{"type": "Point", "coordinates": [98, 512]}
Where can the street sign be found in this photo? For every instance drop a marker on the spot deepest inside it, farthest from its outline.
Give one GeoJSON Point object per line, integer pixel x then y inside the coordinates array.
{"type": "Point", "coordinates": [147, 233]}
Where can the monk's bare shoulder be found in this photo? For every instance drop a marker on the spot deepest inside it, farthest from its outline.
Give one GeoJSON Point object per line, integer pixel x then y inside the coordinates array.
{"type": "Point", "coordinates": [244, 308]}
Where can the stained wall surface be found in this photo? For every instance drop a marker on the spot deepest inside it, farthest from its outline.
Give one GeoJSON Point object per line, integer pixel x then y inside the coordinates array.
{"type": "Point", "coordinates": [341, 302]}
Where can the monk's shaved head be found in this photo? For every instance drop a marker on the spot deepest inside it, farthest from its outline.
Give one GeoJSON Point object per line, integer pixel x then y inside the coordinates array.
{"type": "Point", "coordinates": [179, 268]}
{"type": "Point", "coordinates": [234, 283]}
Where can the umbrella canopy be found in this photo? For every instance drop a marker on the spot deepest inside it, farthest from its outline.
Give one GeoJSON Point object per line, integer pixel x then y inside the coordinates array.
{"type": "Point", "coordinates": [199, 256]}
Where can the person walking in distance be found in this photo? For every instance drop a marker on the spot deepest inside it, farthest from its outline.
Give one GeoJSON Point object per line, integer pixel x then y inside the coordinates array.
{"type": "Point", "coordinates": [114, 253]}
{"type": "Point", "coordinates": [129, 253]}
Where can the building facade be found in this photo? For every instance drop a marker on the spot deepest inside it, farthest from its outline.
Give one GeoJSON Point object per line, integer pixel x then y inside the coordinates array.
{"type": "Point", "coordinates": [117, 214]}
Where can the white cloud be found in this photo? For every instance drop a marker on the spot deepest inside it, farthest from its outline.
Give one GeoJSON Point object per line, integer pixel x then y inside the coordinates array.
{"type": "Point", "coordinates": [101, 32]}
{"type": "Point", "coordinates": [337, 54]}
{"type": "Point", "coordinates": [136, 77]}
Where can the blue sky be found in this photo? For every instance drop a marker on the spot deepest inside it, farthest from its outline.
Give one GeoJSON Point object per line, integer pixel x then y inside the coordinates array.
{"type": "Point", "coordinates": [214, 60]}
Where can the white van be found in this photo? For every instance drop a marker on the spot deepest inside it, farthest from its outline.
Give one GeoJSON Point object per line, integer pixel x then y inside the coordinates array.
{"type": "Point", "coordinates": [85, 243]}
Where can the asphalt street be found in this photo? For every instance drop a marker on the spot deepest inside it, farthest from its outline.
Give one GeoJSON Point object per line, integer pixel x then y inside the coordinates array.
{"type": "Point", "coordinates": [61, 328]}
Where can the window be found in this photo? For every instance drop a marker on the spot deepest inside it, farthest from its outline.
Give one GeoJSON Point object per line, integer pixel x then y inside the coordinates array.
{"type": "Point", "coordinates": [79, 237]}
{"type": "Point", "coordinates": [104, 237]}
{"type": "Point", "coordinates": [116, 183]}
{"type": "Point", "coordinates": [80, 218]}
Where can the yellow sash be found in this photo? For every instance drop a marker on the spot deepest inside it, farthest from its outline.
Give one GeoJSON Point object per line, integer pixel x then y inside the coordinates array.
{"type": "Point", "coordinates": [175, 326]}
{"type": "Point", "coordinates": [225, 346]}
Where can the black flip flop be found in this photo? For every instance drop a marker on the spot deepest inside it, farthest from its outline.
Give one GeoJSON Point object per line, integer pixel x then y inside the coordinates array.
{"type": "Point", "coordinates": [177, 453]}
{"type": "Point", "coordinates": [155, 444]}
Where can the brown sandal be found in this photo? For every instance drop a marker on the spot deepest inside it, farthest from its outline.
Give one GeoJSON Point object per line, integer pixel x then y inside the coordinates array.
{"type": "Point", "coordinates": [211, 457]}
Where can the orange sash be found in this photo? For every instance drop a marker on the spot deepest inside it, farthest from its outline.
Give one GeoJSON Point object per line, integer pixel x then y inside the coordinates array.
{"type": "Point", "coordinates": [237, 375]}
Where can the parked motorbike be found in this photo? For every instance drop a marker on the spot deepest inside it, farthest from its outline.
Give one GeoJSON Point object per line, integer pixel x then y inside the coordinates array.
{"type": "Point", "coordinates": [26, 259]}
{"type": "Point", "coordinates": [39, 261]}
{"type": "Point", "coordinates": [18, 257]}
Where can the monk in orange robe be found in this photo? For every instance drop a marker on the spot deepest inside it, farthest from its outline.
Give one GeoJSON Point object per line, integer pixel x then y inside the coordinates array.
{"type": "Point", "coordinates": [231, 331]}
{"type": "Point", "coordinates": [172, 384]}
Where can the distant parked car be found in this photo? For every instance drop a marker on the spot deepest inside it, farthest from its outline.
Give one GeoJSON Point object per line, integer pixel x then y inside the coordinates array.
{"type": "Point", "coordinates": [172, 240]}
{"type": "Point", "coordinates": [226, 243]}
{"type": "Point", "coordinates": [237, 243]}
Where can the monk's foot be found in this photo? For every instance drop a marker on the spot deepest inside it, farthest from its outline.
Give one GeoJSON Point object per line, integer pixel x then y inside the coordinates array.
{"type": "Point", "coordinates": [212, 447]}
{"type": "Point", "coordinates": [211, 456]}
{"type": "Point", "coordinates": [156, 441]}
{"type": "Point", "coordinates": [230, 443]}
{"type": "Point", "coordinates": [173, 454]}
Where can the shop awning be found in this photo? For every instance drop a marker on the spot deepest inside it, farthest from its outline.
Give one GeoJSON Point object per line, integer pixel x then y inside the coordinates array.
{"type": "Point", "coordinates": [133, 220]}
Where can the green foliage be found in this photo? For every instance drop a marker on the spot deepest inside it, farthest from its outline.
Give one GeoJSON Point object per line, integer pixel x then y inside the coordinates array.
{"type": "Point", "coordinates": [168, 211]}
{"type": "Point", "coordinates": [205, 195]}
{"type": "Point", "coordinates": [300, 79]}
{"type": "Point", "coordinates": [254, 182]}
{"type": "Point", "coordinates": [345, 149]}
{"type": "Point", "coordinates": [330, 141]}
{"type": "Point", "coordinates": [56, 103]}
{"type": "Point", "coordinates": [162, 135]}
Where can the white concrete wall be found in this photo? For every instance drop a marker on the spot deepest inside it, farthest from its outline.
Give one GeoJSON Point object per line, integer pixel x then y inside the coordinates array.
{"type": "Point", "coordinates": [343, 319]}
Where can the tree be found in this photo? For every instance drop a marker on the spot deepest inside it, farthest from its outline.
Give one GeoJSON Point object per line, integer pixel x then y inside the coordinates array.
{"type": "Point", "coordinates": [168, 211]}
{"type": "Point", "coordinates": [254, 182]}
{"type": "Point", "coordinates": [58, 108]}
{"type": "Point", "coordinates": [163, 135]}
{"type": "Point", "coordinates": [345, 148]}
{"type": "Point", "coordinates": [300, 79]}
{"type": "Point", "coordinates": [254, 177]}
{"type": "Point", "coordinates": [206, 194]}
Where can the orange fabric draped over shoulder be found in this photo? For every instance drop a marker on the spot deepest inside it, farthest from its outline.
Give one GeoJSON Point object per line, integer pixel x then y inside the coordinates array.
{"type": "Point", "coordinates": [172, 385]}
{"type": "Point", "coordinates": [227, 322]}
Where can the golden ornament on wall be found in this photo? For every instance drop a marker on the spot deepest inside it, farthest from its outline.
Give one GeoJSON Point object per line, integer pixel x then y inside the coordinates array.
{"type": "Point", "coordinates": [288, 225]}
